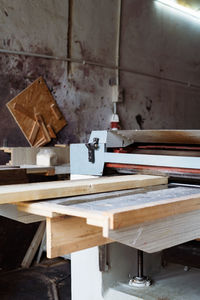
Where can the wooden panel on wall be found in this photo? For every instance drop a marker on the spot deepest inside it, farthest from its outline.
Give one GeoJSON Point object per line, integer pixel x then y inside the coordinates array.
{"type": "Point", "coordinates": [37, 113]}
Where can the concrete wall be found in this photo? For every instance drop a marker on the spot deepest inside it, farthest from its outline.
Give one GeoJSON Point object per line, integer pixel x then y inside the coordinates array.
{"type": "Point", "coordinates": [155, 42]}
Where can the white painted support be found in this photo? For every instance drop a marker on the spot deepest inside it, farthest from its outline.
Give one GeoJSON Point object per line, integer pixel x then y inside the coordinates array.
{"type": "Point", "coordinates": [86, 277]}
{"type": "Point", "coordinates": [153, 160]}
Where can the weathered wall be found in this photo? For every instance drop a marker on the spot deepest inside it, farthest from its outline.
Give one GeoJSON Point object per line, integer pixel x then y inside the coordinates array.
{"type": "Point", "coordinates": [36, 27]}
{"type": "Point", "coordinates": [154, 42]}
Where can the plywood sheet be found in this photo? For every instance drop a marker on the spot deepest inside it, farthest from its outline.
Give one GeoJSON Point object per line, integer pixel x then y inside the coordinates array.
{"type": "Point", "coordinates": [35, 110]}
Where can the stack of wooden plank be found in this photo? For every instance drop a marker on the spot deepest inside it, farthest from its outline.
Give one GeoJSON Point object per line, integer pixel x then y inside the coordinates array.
{"type": "Point", "coordinates": [137, 210]}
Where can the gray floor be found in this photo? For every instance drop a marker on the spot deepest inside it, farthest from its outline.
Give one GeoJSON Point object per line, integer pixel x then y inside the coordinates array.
{"type": "Point", "coordinates": [173, 283]}
{"type": "Point", "coordinates": [50, 280]}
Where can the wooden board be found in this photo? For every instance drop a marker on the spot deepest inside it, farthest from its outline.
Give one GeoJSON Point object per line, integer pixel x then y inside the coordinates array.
{"type": "Point", "coordinates": [161, 136]}
{"type": "Point", "coordinates": [50, 190]}
{"type": "Point", "coordinates": [122, 209]}
{"type": "Point", "coordinates": [29, 256]}
{"type": "Point", "coordinates": [69, 234]}
{"type": "Point", "coordinates": [10, 211]}
{"type": "Point", "coordinates": [128, 216]}
{"type": "Point", "coordinates": [27, 155]}
{"type": "Point", "coordinates": [35, 106]}
{"type": "Point", "coordinates": [157, 235]}
{"type": "Point", "coordinates": [160, 218]}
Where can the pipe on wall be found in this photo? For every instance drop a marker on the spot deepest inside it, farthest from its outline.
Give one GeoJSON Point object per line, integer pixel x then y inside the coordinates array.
{"type": "Point", "coordinates": [111, 67]}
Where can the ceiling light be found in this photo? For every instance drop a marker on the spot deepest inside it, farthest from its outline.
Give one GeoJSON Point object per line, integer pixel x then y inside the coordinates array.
{"type": "Point", "coordinates": [179, 7]}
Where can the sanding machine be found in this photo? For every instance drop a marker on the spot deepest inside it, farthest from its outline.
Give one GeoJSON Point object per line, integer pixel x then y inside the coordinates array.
{"type": "Point", "coordinates": [175, 153]}
{"type": "Point", "coordinates": [172, 153]}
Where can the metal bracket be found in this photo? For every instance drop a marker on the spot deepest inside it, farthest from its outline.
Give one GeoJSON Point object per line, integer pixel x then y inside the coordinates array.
{"type": "Point", "coordinates": [103, 258]}
{"type": "Point", "coordinates": [91, 147]}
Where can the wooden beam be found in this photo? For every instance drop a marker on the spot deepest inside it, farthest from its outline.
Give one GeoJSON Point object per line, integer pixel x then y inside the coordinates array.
{"type": "Point", "coordinates": [50, 190]}
{"type": "Point", "coordinates": [69, 234]}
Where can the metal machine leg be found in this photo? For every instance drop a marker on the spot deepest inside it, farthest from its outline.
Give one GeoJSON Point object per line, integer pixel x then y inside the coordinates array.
{"type": "Point", "coordinates": [140, 280]}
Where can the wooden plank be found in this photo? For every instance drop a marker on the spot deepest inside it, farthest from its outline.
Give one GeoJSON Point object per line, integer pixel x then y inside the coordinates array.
{"type": "Point", "coordinates": [149, 205]}
{"type": "Point", "coordinates": [35, 210]}
{"type": "Point", "coordinates": [161, 136]}
{"type": "Point", "coordinates": [50, 209]}
{"type": "Point", "coordinates": [28, 258]}
{"type": "Point", "coordinates": [49, 190]}
{"type": "Point", "coordinates": [51, 131]}
{"type": "Point", "coordinates": [10, 211]}
{"type": "Point", "coordinates": [69, 234]}
{"type": "Point", "coordinates": [42, 124]}
{"type": "Point", "coordinates": [56, 111]}
{"type": "Point", "coordinates": [127, 216]}
{"type": "Point", "coordinates": [36, 98]}
{"type": "Point", "coordinates": [34, 132]}
{"type": "Point", "coordinates": [160, 234]}
{"type": "Point", "coordinates": [27, 155]}
{"type": "Point", "coordinates": [40, 142]}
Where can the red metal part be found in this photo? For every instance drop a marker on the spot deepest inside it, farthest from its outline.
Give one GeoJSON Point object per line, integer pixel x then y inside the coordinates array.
{"type": "Point", "coordinates": [155, 147]}
{"type": "Point", "coordinates": [172, 147]}
{"type": "Point", "coordinates": [121, 150]}
{"type": "Point", "coordinates": [140, 168]}
{"type": "Point", "coordinates": [114, 125]}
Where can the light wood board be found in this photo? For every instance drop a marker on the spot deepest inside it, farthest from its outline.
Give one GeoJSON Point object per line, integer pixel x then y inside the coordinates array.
{"type": "Point", "coordinates": [130, 207]}
{"type": "Point", "coordinates": [50, 190]}
{"type": "Point", "coordinates": [29, 256]}
{"type": "Point", "coordinates": [150, 219]}
{"type": "Point", "coordinates": [34, 110]}
{"type": "Point", "coordinates": [161, 136]}
{"type": "Point", "coordinates": [69, 234]}
{"type": "Point", "coordinates": [160, 234]}
{"type": "Point", "coordinates": [10, 211]}
{"type": "Point", "coordinates": [27, 155]}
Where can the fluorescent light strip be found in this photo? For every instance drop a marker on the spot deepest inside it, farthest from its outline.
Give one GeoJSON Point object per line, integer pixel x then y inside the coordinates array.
{"type": "Point", "coordinates": [183, 9]}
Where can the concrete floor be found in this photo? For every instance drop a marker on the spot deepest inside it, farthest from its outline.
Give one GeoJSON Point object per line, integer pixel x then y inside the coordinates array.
{"type": "Point", "coordinates": [173, 283]}
{"type": "Point", "coordinates": [49, 280]}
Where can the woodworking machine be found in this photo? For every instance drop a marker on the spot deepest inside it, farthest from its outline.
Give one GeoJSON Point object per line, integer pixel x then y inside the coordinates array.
{"type": "Point", "coordinates": [175, 153]}
{"type": "Point", "coordinates": [172, 153]}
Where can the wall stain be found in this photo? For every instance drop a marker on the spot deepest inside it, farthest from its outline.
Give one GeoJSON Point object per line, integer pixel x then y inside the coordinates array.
{"type": "Point", "coordinates": [148, 104]}
{"type": "Point", "coordinates": [5, 12]}
{"type": "Point", "coordinates": [140, 120]}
